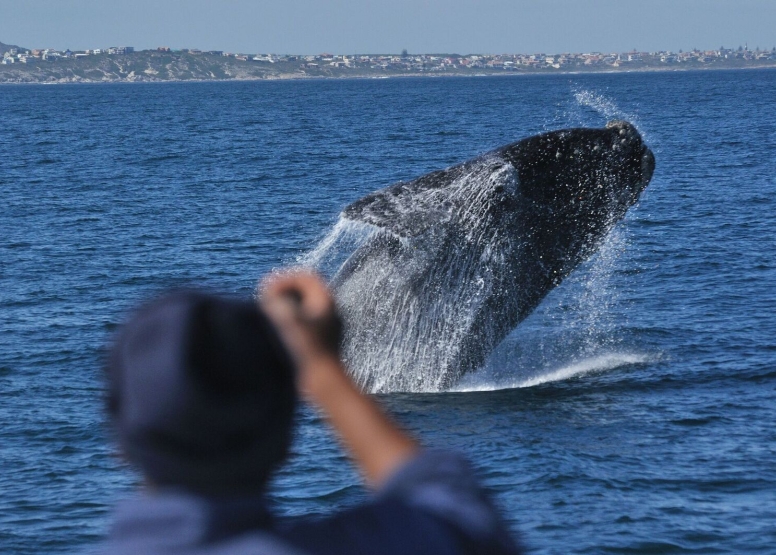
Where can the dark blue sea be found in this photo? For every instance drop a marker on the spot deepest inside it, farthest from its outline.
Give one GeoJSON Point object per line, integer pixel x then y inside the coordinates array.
{"type": "Point", "coordinates": [633, 412]}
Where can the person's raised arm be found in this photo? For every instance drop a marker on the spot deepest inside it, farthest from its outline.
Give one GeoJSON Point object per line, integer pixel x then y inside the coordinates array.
{"type": "Point", "coordinates": [303, 311]}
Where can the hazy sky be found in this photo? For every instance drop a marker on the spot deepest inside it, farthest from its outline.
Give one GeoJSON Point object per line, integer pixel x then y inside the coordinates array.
{"type": "Point", "coordinates": [388, 26]}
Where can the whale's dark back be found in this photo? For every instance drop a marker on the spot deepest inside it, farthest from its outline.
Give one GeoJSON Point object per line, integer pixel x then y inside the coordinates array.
{"type": "Point", "coordinates": [460, 256]}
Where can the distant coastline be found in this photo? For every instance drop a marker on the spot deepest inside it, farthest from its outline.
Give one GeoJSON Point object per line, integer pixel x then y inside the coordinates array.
{"type": "Point", "coordinates": [125, 65]}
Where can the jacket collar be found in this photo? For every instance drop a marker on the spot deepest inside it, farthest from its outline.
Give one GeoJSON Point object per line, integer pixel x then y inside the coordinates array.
{"type": "Point", "coordinates": [170, 519]}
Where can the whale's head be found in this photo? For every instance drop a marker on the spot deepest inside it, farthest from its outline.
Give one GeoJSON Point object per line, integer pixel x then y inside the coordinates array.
{"type": "Point", "coordinates": [575, 185]}
{"type": "Point", "coordinates": [551, 197]}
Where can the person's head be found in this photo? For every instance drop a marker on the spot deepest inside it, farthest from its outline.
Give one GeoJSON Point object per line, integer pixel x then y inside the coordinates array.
{"type": "Point", "coordinates": [201, 393]}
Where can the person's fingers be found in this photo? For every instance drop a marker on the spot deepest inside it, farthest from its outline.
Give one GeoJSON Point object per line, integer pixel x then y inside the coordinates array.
{"type": "Point", "coordinates": [306, 289]}
{"type": "Point", "coordinates": [303, 311]}
{"type": "Point", "coordinates": [276, 299]}
{"type": "Point", "coordinates": [279, 309]}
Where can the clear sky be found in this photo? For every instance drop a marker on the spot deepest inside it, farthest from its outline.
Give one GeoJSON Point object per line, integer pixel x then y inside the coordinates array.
{"type": "Point", "coordinates": [389, 26]}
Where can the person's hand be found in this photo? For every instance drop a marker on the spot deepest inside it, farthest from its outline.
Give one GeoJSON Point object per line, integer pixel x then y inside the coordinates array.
{"type": "Point", "coordinates": [302, 309]}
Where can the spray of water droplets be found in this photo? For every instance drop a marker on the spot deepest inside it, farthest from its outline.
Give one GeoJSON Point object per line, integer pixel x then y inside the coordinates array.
{"type": "Point", "coordinates": [576, 330]}
{"type": "Point", "coordinates": [587, 103]}
{"type": "Point", "coordinates": [411, 304]}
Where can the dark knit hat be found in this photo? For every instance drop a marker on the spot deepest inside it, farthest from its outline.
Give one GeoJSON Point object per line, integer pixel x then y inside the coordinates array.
{"type": "Point", "coordinates": [202, 394]}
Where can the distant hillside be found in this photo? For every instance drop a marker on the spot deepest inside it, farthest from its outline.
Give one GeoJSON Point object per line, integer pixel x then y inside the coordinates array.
{"type": "Point", "coordinates": [157, 65]}
{"type": "Point", "coordinates": [6, 47]}
{"type": "Point", "coordinates": [144, 66]}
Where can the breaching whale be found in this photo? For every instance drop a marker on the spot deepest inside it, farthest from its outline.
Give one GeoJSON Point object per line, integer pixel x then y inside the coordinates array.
{"type": "Point", "coordinates": [455, 259]}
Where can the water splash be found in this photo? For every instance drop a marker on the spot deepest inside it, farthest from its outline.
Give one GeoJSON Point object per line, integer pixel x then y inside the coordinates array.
{"type": "Point", "coordinates": [600, 104]}
{"type": "Point", "coordinates": [426, 327]}
{"type": "Point", "coordinates": [427, 303]}
{"type": "Point", "coordinates": [331, 251]}
{"type": "Point", "coordinates": [604, 109]}
{"type": "Point", "coordinates": [576, 327]}
{"type": "Point", "coordinates": [595, 299]}
{"type": "Point", "coordinates": [600, 363]}
{"type": "Point", "coordinates": [417, 299]}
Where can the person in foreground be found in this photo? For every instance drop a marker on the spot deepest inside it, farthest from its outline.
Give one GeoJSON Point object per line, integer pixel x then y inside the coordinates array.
{"type": "Point", "coordinates": [202, 391]}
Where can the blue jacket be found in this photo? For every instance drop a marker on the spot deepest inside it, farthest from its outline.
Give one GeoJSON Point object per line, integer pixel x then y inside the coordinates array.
{"type": "Point", "coordinates": [431, 505]}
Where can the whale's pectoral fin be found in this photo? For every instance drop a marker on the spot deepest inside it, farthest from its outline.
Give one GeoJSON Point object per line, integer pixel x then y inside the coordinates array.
{"type": "Point", "coordinates": [406, 209]}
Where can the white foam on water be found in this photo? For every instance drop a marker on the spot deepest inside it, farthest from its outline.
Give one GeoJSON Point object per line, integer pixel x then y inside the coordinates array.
{"type": "Point", "coordinates": [578, 368]}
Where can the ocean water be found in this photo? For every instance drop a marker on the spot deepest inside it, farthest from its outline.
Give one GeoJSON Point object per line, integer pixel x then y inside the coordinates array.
{"type": "Point", "coordinates": [633, 412]}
